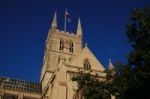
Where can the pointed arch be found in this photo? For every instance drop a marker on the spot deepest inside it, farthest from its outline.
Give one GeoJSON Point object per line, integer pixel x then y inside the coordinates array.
{"type": "Point", "coordinates": [86, 64]}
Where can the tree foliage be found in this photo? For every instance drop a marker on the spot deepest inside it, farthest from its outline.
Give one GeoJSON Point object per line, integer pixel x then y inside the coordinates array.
{"type": "Point", "coordinates": [90, 87]}
{"type": "Point", "coordinates": [132, 81]}
{"type": "Point", "coordinates": [138, 34]}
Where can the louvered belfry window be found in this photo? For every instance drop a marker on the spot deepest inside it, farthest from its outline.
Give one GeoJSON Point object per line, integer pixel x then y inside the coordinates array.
{"type": "Point", "coordinates": [61, 47]}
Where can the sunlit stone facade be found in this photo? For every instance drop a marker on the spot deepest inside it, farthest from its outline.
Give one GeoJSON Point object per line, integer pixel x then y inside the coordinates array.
{"type": "Point", "coordinates": [65, 56]}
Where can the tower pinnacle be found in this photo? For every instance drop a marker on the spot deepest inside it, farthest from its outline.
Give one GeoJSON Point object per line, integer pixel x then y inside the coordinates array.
{"type": "Point", "coordinates": [110, 66]}
{"type": "Point", "coordinates": [54, 22]}
{"type": "Point", "coordinates": [79, 29]}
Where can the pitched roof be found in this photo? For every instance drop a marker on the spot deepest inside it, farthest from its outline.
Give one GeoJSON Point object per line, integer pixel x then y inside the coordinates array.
{"type": "Point", "coordinates": [87, 54]}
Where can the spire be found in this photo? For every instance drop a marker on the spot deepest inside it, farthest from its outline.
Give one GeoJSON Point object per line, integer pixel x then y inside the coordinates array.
{"type": "Point", "coordinates": [79, 29]}
{"type": "Point", "coordinates": [54, 22]}
{"type": "Point", "coordinates": [110, 66]}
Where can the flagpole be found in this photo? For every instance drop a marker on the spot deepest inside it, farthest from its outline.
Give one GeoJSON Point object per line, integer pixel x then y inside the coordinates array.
{"type": "Point", "coordinates": [65, 21]}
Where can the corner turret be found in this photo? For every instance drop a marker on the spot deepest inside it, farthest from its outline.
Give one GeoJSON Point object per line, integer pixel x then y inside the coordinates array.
{"type": "Point", "coordinates": [54, 22]}
{"type": "Point", "coordinates": [79, 28]}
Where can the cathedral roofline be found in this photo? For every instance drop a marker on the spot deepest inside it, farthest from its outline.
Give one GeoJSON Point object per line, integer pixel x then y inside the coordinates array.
{"type": "Point", "coordinates": [19, 85]}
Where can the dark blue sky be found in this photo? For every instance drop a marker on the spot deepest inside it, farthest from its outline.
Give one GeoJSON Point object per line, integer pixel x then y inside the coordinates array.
{"type": "Point", "coordinates": [24, 25]}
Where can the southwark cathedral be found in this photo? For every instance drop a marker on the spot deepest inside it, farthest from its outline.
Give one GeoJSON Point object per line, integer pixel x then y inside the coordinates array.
{"type": "Point", "coordinates": [64, 55]}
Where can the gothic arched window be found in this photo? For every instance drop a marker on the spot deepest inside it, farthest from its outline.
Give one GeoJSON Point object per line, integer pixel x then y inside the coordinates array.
{"type": "Point", "coordinates": [61, 46]}
{"type": "Point", "coordinates": [86, 64]}
{"type": "Point", "coordinates": [71, 47]}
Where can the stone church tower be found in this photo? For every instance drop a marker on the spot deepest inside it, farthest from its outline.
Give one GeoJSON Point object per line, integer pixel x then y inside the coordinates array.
{"type": "Point", "coordinates": [64, 55]}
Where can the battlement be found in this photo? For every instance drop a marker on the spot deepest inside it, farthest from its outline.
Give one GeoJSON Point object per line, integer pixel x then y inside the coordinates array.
{"type": "Point", "coordinates": [65, 33]}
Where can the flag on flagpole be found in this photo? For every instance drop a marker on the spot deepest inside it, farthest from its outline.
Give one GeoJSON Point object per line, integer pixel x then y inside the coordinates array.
{"type": "Point", "coordinates": [68, 18]}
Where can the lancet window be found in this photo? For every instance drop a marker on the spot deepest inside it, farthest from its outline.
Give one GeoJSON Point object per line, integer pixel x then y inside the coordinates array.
{"type": "Point", "coordinates": [86, 64]}
{"type": "Point", "coordinates": [71, 47]}
{"type": "Point", "coordinates": [61, 47]}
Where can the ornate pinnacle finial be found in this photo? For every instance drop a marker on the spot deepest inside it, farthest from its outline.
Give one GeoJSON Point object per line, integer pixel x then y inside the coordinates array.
{"type": "Point", "coordinates": [54, 22]}
{"type": "Point", "coordinates": [79, 29]}
{"type": "Point", "coordinates": [110, 67]}
{"type": "Point", "coordinates": [109, 60]}
{"type": "Point", "coordinates": [86, 45]}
